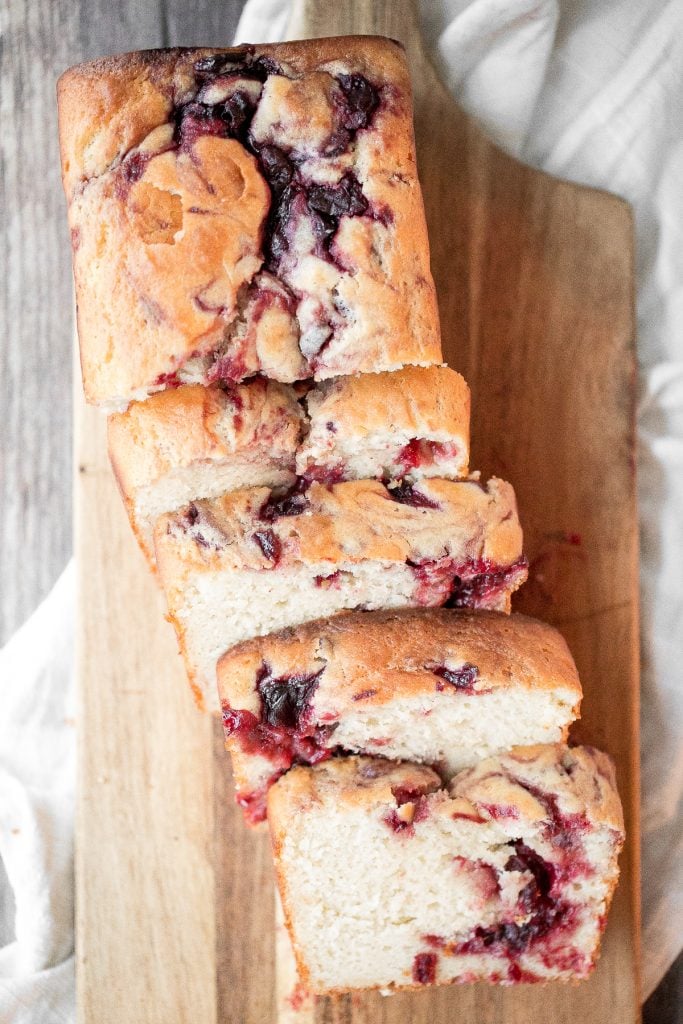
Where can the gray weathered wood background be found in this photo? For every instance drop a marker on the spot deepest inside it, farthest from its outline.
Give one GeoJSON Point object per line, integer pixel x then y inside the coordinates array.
{"type": "Point", "coordinates": [38, 40]}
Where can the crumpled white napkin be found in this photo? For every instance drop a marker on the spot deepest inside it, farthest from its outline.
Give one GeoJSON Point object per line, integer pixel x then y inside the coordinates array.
{"type": "Point", "coordinates": [592, 91]}
{"type": "Point", "coordinates": [37, 758]}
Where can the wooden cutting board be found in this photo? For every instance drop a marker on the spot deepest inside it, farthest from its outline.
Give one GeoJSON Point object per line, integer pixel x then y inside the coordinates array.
{"type": "Point", "coordinates": [175, 905]}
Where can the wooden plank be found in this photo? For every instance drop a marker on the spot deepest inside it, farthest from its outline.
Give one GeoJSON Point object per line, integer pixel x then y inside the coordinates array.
{"type": "Point", "coordinates": [175, 919]}
{"type": "Point", "coordinates": [145, 920]}
{"type": "Point", "coordinates": [200, 24]}
{"type": "Point", "coordinates": [243, 895]}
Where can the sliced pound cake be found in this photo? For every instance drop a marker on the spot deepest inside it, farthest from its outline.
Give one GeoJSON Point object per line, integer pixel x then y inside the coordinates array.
{"type": "Point", "coordinates": [192, 442]}
{"type": "Point", "coordinates": [389, 881]}
{"type": "Point", "coordinates": [252, 562]}
{"type": "Point", "coordinates": [411, 423]}
{"type": "Point", "coordinates": [242, 211]}
{"type": "Point", "coordinates": [437, 686]}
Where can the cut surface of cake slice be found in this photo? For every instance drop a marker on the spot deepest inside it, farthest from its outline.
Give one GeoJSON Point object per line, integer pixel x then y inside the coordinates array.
{"type": "Point", "coordinates": [411, 423]}
{"type": "Point", "coordinates": [390, 881]}
{"type": "Point", "coordinates": [252, 562]}
{"type": "Point", "coordinates": [242, 211]}
{"type": "Point", "coordinates": [194, 442]}
{"type": "Point", "coordinates": [438, 686]}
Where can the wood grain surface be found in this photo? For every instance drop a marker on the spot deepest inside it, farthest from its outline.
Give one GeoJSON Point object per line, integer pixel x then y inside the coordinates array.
{"type": "Point", "coordinates": [175, 898]}
{"type": "Point", "coordinates": [38, 40]}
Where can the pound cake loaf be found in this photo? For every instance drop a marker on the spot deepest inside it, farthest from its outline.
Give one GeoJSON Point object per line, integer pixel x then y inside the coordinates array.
{"type": "Point", "coordinates": [411, 423]}
{"type": "Point", "coordinates": [194, 442]}
{"type": "Point", "coordinates": [246, 210]}
{"type": "Point", "coordinates": [254, 561]}
{"type": "Point", "coordinates": [437, 686]}
{"type": "Point", "coordinates": [390, 881]}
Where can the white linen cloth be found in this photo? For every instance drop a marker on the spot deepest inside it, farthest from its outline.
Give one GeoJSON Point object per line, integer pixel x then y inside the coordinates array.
{"type": "Point", "coordinates": [37, 758]}
{"type": "Point", "coordinates": [591, 91]}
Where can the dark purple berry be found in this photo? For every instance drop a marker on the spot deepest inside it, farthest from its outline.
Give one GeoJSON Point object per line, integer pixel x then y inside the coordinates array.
{"type": "Point", "coordinates": [277, 168]}
{"type": "Point", "coordinates": [362, 100]}
{"type": "Point", "coordinates": [293, 503]}
{"type": "Point", "coordinates": [462, 678]}
{"type": "Point", "coordinates": [406, 494]}
{"type": "Point", "coordinates": [269, 544]}
{"type": "Point", "coordinates": [344, 199]}
{"type": "Point", "coordinates": [239, 63]}
{"type": "Point", "coordinates": [285, 701]}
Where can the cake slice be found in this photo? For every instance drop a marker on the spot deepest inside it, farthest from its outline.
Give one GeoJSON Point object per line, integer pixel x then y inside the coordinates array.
{"type": "Point", "coordinates": [436, 686]}
{"type": "Point", "coordinates": [255, 561]}
{"type": "Point", "coordinates": [390, 881]}
{"type": "Point", "coordinates": [194, 442]}
{"type": "Point", "coordinates": [246, 210]}
{"type": "Point", "coordinates": [411, 423]}
{"type": "Point", "coordinates": [191, 442]}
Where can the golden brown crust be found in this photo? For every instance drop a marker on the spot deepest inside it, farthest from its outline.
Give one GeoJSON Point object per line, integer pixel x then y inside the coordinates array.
{"type": "Point", "coordinates": [251, 430]}
{"type": "Point", "coordinates": [175, 428]}
{"type": "Point", "coordinates": [109, 105]}
{"type": "Point", "coordinates": [421, 400]}
{"type": "Point", "coordinates": [159, 281]}
{"type": "Point", "coordinates": [355, 780]}
{"type": "Point", "coordinates": [191, 424]}
{"type": "Point", "coordinates": [582, 780]}
{"type": "Point", "coordinates": [430, 402]}
{"type": "Point", "coordinates": [348, 522]}
{"type": "Point", "coordinates": [384, 655]}
{"type": "Point", "coordinates": [154, 272]}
